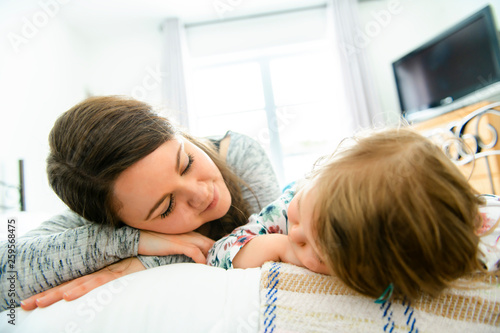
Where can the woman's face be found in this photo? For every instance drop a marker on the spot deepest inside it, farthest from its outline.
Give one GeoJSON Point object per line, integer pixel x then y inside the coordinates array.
{"type": "Point", "coordinates": [300, 230]}
{"type": "Point", "coordinates": [175, 189]}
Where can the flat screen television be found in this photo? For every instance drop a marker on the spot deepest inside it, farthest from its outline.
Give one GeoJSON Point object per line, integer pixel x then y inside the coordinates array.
{"type": "Point", "coordinates": [457, 63]}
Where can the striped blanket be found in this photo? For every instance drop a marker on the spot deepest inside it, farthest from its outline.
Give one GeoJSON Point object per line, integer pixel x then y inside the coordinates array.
{"type": "Point", "coordinates": [293, 299]}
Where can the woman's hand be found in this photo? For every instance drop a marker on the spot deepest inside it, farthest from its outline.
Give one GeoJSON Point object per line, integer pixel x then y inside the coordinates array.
{"type": "Point", "coordinates": [74, 289]}
{"type": "Point", "coordinates": [191, 244]}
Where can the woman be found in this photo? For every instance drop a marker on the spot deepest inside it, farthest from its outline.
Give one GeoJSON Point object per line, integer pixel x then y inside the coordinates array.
{"type": "Point", "coordinates": [117, 164]}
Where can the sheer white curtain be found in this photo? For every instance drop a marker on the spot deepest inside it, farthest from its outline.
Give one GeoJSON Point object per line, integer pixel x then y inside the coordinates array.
{"type": "Point", "coordinates": [361, 95]}
{"type": "Point", "coordinates": [174, 83]}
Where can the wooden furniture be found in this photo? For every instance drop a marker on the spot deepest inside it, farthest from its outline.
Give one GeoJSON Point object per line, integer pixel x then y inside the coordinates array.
{"type": "Point", "coordinates": [477, 126]}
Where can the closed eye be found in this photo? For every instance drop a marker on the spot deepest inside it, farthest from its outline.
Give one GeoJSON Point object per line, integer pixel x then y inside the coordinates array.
{"type": "Point", "coordinates": [171, 205]}
{"type": "Point", "coordinates": [189, 164]}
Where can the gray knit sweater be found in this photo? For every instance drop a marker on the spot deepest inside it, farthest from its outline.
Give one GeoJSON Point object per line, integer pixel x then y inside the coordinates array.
{"type": "Point", "coordinates": [68, 246]}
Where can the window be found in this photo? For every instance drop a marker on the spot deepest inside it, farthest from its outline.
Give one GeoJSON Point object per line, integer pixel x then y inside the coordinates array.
{"type": "Point", "coordinates": [290, 98]}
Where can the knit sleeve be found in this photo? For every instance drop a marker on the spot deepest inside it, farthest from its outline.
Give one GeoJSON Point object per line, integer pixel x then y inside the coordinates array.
{"type": "Point", "coordinates": [249, 161]}
{"type": "Point", "coordinates": [155, 261]}
{"type": "Point", "coordinates": [59, 250]}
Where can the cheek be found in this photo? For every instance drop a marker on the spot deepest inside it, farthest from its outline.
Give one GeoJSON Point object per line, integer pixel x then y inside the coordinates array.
{"type": "Point", "coordinates": [292, 236]}
{"type": "Point", "coordinates": [292, 211]}
{"type": "Point", "coordinates": [205, 165]}
{"type": "Point", "coordinates": [296, 236]}
{"type": "Point", "coordinates": [180, 222]}
{"type": "Point", "coordinates": [298, 249]}
{"type": "Point", "coordinates": [315, 265]}
{"type": "Point", "coordinates": [308, 259]}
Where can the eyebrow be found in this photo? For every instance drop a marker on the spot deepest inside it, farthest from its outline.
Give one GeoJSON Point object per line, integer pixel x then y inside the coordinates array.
{"type": "Point", "coordinates": [177, 165]}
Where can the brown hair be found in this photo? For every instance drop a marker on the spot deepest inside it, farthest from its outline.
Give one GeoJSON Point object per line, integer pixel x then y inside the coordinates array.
{"type": "Point", "coordinates": [97, 139]}
{"type": "Point", "coordinates": [393, 209]}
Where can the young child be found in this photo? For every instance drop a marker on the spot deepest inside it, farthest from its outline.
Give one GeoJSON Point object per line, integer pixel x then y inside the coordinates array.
{"type": "Point", "coordinates": [388, 214]}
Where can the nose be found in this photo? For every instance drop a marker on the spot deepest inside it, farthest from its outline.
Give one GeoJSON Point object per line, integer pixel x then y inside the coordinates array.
{"type": "Point", "coordinates": [296, 234]}
{"type": "Point", "coordinates": [197, 194]}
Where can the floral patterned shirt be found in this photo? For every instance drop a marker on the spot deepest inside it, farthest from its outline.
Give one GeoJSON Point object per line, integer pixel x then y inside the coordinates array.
{"type": "Point", "coordinates": [273, 219]}
{"type": "Point", "coordinates": [489, 245]}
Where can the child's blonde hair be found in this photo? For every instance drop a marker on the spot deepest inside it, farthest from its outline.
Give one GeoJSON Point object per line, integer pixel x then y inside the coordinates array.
{"type": "Point", "coordinates": [393, 209]}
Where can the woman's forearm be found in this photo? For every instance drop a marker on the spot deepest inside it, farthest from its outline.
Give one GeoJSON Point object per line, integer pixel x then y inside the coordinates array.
{"type": "Point", "coordinates": [45, 261]}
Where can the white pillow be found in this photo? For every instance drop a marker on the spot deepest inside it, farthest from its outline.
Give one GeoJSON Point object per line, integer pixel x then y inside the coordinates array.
{"type": "Point", "coordinates": [174, 298]}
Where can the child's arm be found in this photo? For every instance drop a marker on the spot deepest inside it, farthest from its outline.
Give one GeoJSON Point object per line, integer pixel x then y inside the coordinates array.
{"type": "Point", "coordinates": [271, 247]}
{"type": "Point", "coordinates": [271, 220]}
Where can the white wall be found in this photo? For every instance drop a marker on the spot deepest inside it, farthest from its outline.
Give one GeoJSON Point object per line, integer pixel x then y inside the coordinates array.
{"type": "Point", "coordinates": [126, 62]}
{"type": "Point", "coordinates": [399, 26]}
{"type": "Point", "coordinates": [257, 33]}
{"type": "Point", "coordinates": [40, 78]}
{"type": "Point", "coordinates": [47, 65]}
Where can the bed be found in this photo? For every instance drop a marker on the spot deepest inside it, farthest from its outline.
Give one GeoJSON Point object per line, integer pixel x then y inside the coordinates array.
{"type": "Point", "coordinates": [278, 297]}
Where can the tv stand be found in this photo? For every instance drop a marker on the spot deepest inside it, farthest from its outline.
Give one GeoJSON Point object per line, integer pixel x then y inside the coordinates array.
{"type": "Point", "coordinates": [489, 92]}
{"type": "Point", "coordinates": [478, 126]}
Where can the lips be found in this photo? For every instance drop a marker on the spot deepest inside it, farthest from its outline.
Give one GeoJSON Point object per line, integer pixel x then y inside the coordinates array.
{"type": "Point", "coordinates": [215, 200]}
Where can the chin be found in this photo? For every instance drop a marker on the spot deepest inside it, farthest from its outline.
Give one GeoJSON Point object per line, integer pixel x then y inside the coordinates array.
{"type": "Point", "coordinates": [224, 203]}
{"type": "Point", "coordinates": [223, 209]}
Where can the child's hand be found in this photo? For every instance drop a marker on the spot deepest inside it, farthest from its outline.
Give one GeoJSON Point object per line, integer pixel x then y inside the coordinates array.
{"type": "Point", "coordinates": [191, 244]}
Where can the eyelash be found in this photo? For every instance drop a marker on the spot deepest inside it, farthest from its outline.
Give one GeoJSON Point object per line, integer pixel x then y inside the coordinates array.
{"type": "Point", "coordinates": [170, 208]}
{"type": "Point", "coordinates": [190, 163]}
{"type": "Point", "coordinates": [172, 198]}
